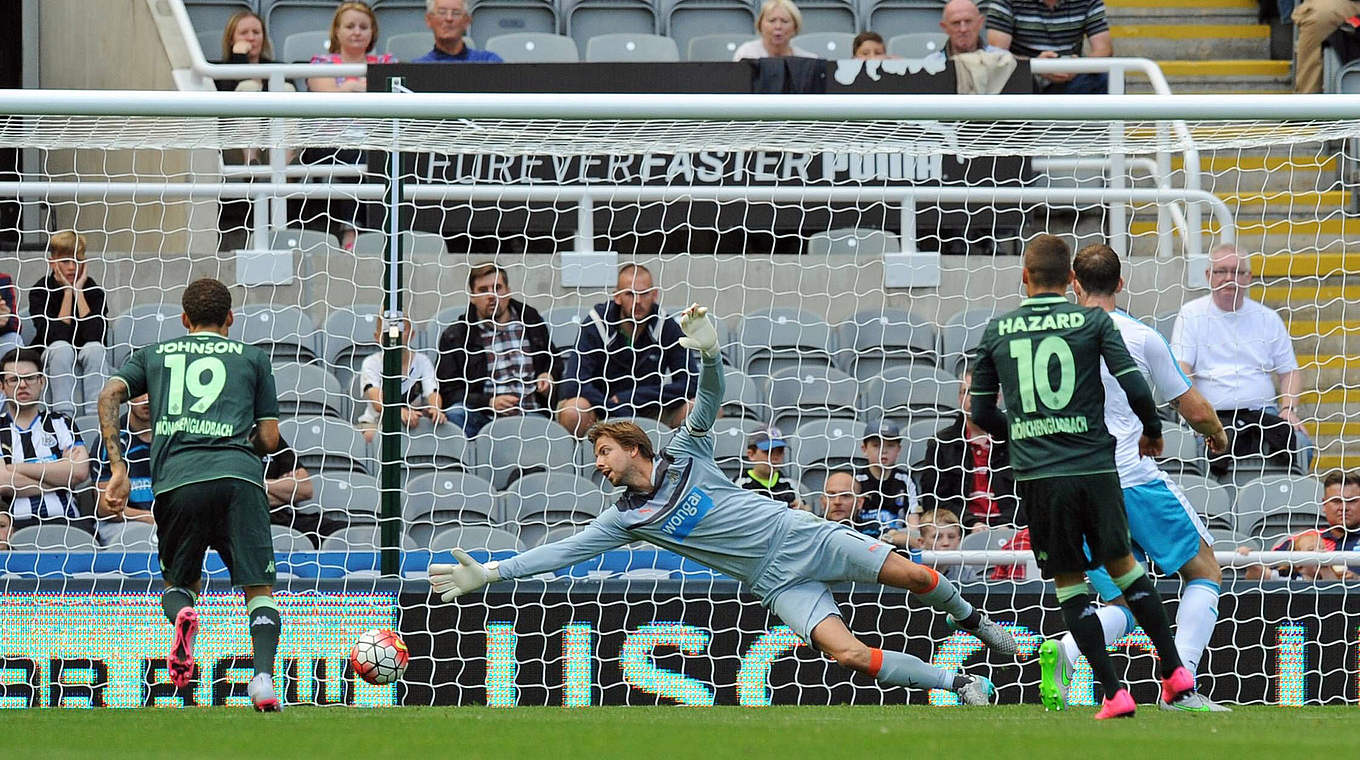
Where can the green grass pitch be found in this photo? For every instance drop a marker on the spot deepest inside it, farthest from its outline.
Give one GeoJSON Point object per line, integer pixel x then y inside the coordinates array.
{"type": "Point", "coordinates": [648, 733]}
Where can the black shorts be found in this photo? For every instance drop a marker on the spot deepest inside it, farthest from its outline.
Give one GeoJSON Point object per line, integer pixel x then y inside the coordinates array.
{"type": "Point", "coordinates": [229, 515]}
{"type": "Point", "coordinates": [1076, 522]}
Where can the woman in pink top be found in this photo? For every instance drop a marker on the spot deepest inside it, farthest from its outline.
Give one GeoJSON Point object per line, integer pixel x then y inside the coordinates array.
{"type": "Point", "coordinates": [354, 33]}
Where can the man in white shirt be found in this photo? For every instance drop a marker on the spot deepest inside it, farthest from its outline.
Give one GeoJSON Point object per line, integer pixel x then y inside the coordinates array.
{"type": "Point", "coordinates": [1240, 356]}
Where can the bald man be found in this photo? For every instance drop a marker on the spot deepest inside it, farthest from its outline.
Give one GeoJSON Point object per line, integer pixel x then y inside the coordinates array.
{"type": "Point", "coordinates": [963, 22]}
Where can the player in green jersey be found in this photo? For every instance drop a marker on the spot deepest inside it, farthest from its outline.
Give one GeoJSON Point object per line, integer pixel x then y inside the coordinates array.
{"type": "Point", "coordinates": [207, 393]}
{"type": "Point", "coordinates": [1045, 357]}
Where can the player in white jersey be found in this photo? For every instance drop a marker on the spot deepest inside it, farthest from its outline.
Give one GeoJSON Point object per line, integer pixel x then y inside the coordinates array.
{"type": "Point", "coordinates": [1163, 525]}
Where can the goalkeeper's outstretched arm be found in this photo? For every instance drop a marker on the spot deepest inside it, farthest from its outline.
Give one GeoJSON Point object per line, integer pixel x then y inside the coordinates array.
{"type": "Point", "coordinates": [450, 581]}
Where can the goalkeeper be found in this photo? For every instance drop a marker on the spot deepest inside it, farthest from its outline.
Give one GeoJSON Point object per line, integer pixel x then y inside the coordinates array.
{"type": "Point", "coordinates": [681, 501]}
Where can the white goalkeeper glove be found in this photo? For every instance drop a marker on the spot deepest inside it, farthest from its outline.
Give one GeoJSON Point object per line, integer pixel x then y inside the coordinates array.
{"type": "Point", "coordinates": [700, 335]}
{"type": "Point", "coordinates": [452, 581]}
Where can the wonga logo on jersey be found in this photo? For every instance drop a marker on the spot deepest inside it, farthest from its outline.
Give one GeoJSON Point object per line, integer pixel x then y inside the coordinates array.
{"type": "Point", "coordinates": [687, 515]}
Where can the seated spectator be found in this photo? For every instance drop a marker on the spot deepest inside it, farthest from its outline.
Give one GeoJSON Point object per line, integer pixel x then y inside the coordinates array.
{"type": "Point", "coordinates": [10, 336]}
{"type": "Point", "coordinates": [244, 41]}
{"type": "Point", "coordinates": [967, 472]}
{"type": "Point", "coordinates": [6, 530]}
{"type": "Point", "coordinates": [449, 20]}
{"type": "Point", "coordinates": [889, 494]}
{"type": "Point", "coordinates": [765, 451]}
{"type": "Point", "coordinates": [69, 320]}
{"type": "Point", "coordinates": [1315, 21]}
{"type": "Point", "coordinates": [41, 455]}
{"type": "Point", "coordinates": [134, 440]}
{"type": "Point", "coordinates": [628, 361]}
{"type": "Point", "coordinates": [869, 46]}
{"type": "Point", "coordinates": [497, 360]}
{"type": "Point", "coordinates": [287, 485]}
{"type": "Point", "coordinates": [1054, 29]}
{"type": "Point", "coordinates": [962, 22]}
{"type": "Point", "coordinates": [1341, 508]}
{"type": "Point", "coordinates": [778, 23]}
{"type": "Point", "coordinates": [842, 503]}
{"type": "Point", "coordinates": [1252, 380]}
{"type": "Point", "coordinates": [1030, 570]}
{"type": "Point", "coordinates": [419, 388]}
{"type": "Point", "coordinates": [941, 531]}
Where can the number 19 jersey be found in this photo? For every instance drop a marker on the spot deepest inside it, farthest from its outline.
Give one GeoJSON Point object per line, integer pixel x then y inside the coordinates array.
{"type": "Point", "coordinates": [1044, 357]}
{"type": "Point", "coordinates": [206, 393]}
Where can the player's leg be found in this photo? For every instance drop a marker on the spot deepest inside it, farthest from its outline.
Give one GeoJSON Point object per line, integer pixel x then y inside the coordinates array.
{"type": "Point", "coordinates": [247, 549]}
{"type": "Point", "coordinates": [181, 546]}
{"type": "Point", "coordinates": [1147, 608]}
{"type": "Point", "coordinates": [1058, 657]}
{"type": "Point", "coordinates": [1198, 612]}
{"type": "Point", "coordinates": [942, 595]}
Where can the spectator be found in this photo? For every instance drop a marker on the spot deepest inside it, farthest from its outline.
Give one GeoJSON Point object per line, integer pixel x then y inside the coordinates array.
{"type": "Point", "coordinates": [1053, 29]}
{"type": "Point", "coordinates": [967, 472]}
{"type": "Point", "coordinates": [1242, 378]}
{"type": "Point", "coordinates": [69, 319]}
{"type": "Point", "coordinates": [888, 493]}
{"type": "Point", "coordinates": [765, 450]}
{"type": "Point", "coordinates": [1341, 508]}
{"type": "Point", "coordinates": [628, 361]}
{"type": "Point", "coordinates": [869, 46]}
{"type": "Point", "coordinates": [6, 530]}
{"type": "Point", "coordinates": [496, 360]}
{"type": "Point", "coordinates": [1316, 20]}
{"type": "Point", "coordinates": [41, 454]}
{"type": "Point", "coordinates": [419, 388]}
{"type": "Point", "coordinates": [1018, 543]}
{"type": "Point", "coordinates": [778, 23]}
{"type": "Point", "coordinates": [10, 336]}
{"type": "Point", "coordinates": [287, 484]}
{"type": "Point", "coordinates": [134, 440]}
{"type": "Point", "coordinates": [941, 531]}
{"type": "Point", "coordinates": [449, 20]}
{"type": "Point", "coordinates": [244, 40]}
{"type": "Point", "coordinates": [962, 22]}
{"type": "Point", "coordinates": [843, 503]}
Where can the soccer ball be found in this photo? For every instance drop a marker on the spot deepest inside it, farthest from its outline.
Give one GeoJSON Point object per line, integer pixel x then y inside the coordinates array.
{"type": "Point", "coordinates": [379, 657]}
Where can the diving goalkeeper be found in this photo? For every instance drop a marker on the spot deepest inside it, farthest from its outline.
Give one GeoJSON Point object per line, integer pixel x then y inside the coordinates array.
{"type": "Point", "coordinates": [682, 502]}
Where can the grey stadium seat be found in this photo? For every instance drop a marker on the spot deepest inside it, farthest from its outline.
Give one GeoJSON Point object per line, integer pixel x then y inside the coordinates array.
{"type": "Point", "coordinates": [631, 48]}
{"type": "Point", "coordinates": [715, 47]}
{"type": "Point", "coordinates": [427, 337]}
{"type": "Point", "coordinates": [510, 447]}
{"type": "Point", "coordinates": [729, 443]}
{"type": "Point", "coordinates": [299, 47]}
{"type": "Point", "coordinates": [684, 20]}
{"type": "Point", "coordinates": [830, 45]}
{"type": "Point", "coordinates": [872, 341]}
{"type": "Point", "coordinates": [1209, 499]}
{"type": "Point", "coordinates": [743, 397]}
{"type": "Point", "coordinates": [584, 19]}
{"type": "Point", "coordinates": [917, 44]}
{"type": "Point", "coordinates": [286, 333]}
{"type": "Point", "coordinates": [541, 501]}
{"type": "Point", "coordinates": [829, 17]}
{"type": "Point", "coordinates": [1274, 507]}
{"type": "Point", "coordinates": [140, 326]}
{"type": "Point", "coordinates": [799, 395]}
{"type": "Point", "coordinates": [856, 241]}
{"type": "Point", "coordinates": [403, 17]}
{"type": "Point", "coordinates": [534, 47]}
{"type": "Point", "coordinates": [211, 17]}
{"type": "Point", "coordinates": [355, 496]}
{"type": "Point", "coordinates": [821, 446]}
{"type": "Point", "coordinates": [1182, 452]}
{"type": "Point", "coordinates": [413, 243]}
{"type": "Point", "coordinates": [440, 447]}
{"type": "Point", "coordinates": [348, 337]}
{"type": "Point", "coordinates": [659, 433]}
{"type": "Point", "coordinates": [894, 17]}
{"type": "Point", "coordinates": [127, 536]}
{"type": "Point", "coordinates": [780, 338]}
{"type": "Point", "coordinates": [493, 17]}
{"type": "Point", "coordinates": [905, 394]}
{"type": "Point", "coordinates": [287, 540]}
{"type": "Point", "coordinates": [960, 334]}
{"type": "Point", "coordinates": [325, 444]}
{"type": "Point", "coordinates": [411, 45]}
{"type": "Point", "coordinates": [51, 537]}
{"type": "Point", "coordinates": [436, 500]}
{"type": "Point", "coordinates": [564, 325]}
{"type": "Point", "coordinates": [360, 538]}
{"type": "Point", "coordinates": [307, 390]}
{"type": "Point", "coordinates": [474, 538]}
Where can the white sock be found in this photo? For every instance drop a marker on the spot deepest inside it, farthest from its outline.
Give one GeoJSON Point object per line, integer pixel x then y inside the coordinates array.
{"type": "Point", "coordinates": [1115, 621]}
{"type": "Point", "coordinates": [1195, 621]}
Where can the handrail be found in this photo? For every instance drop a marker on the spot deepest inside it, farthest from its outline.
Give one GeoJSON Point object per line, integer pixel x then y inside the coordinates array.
{"type": "Point", "coordinates": [200, 65]}
{"type": "Point", "coordinates": [976, 557]}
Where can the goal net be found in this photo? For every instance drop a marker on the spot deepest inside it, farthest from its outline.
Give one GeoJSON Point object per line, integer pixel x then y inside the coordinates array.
{"type": "Point", "coordinates": [851, 265]}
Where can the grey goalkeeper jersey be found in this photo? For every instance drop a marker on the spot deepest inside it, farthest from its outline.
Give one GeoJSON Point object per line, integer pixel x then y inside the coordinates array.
{"type": "Point", "coordinates": [693, 510]}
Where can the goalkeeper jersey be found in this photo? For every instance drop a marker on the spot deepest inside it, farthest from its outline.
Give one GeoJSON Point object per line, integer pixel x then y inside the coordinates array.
{"type": "Point", "coordinates": [693, 509]}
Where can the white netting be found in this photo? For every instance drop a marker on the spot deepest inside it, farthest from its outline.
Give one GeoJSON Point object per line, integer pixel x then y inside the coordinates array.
{"type": "Point", "coordinates": [815, 342]}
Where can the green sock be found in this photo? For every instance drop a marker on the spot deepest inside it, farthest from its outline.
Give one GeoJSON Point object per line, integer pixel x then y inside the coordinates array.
{"type": "Point", "coordinates": [175, 599]}
{"type": "Point", "coordinates": [265, 625]}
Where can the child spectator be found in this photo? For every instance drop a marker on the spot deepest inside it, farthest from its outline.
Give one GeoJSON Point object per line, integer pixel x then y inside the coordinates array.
{"type": "Point", "coordinates": [69, 318]}
{"type": "Point", "coordinates": [765, 450]}
{"type": "Point", "coordinates": [889, 493]}
{"type": "Point", "coordinates": [941, 531]}
{"type": "Point", "coordinates": [419, 387]}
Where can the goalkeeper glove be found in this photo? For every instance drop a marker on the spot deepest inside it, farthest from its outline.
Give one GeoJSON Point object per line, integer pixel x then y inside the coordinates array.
{"type": "Point", "coordinates": [700, 335]}
{"type": "Point", "coordinates": [452, 581]}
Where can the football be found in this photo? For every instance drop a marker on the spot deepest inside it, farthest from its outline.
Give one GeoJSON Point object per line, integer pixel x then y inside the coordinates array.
{"type": "Point", "coordinates": [379, 656]}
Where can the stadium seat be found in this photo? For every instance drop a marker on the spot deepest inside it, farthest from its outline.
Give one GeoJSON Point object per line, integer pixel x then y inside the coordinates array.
{"type": "Point", "coordinates": [347, 338]}
{"type": "Point", "coordinates": [1182, 452]}
{"type": "Point", "coordinates": [541, 501]}
{"type": "Point", "coordinates": [511, 447]}
{"type": "Point", "coordinates": [960, 334]}
{"type": "Point", "coordinates": [26, 329]}
{"type": "Point", "coordinates": [140, 326]}
{"type": "Point", "coordinates": [916, 437]}
{"type": "Point", "coordinates": [51, 537]}
{"type": "Point", "coordinates": [127, 536]}
{"type": "Point", "coordinates": [436, 500]}
{"type": "Point", "coordinates": [659, 433]}
{"type": "Point", "coordinates": [309, 390]}
{"type": "Point", "coordinates": [399, 18]}
{"type": "Point", "coordinates": [437, 447]}
{"type": "Point", "coordinates": [301, 46]}
{"type": "Point", "coordinates": [891, 18]}
{"type": "Point", "coordinates": [784, 338]}
{"type": "Point", "coordinates": [1246, 468]}
{"type": "Point", "coordinates": [584, 19]}
{"type": "Point", "coordinates": [85, 424]}
{"type": "Point", "coordinates": [729, 443]}
{"type": "Point", "coordinates": [427, 337]}
{"type": "Point", "coordinates": [683, 20]}
{"type": "Point", "coordinates": [286, 333]}
{"type": "Point", "coordinates": [871, 342]}
{"type": "Point", "coordinates": [715, 47]}
{"type": "Point", "coordinates": [360, 538]}
{"type": "Point", "coordinates": [534, 47]}
{"type": "Point", "coordinates": [210, 17]}
{"type": "Point", "coordinates": [355, 496]}
{"type": "Point", "coordinates": [1271, 508]}
{"type": "Point", "coordinates": [413, 243]}
{"type": "Point", "coordinates": [493, 17]}
{"type": "Point", "coordinates": [854, 241]}
{"type": "Point", "coordinates": [906, 394]}
{"type": "Point", "coordinates": [325, 444]}
{"type": "Point", "coordinates": [1209, 499]}
{"type": "Point", "coordinates": [830, 45]}
{"type": "Point", "coordinates": [916, 45]}
{"type": "Point", "coordinates": [821, 446]}
{"type": "Point", "coordinates": [564, 325]}
{"type": "Point", "coordinates": [990, 540]}
{"type": "Point", "coordinates": [408, 46]}
{"type": "Point", "coordinates": [287, 540]}
{"type": "Point", "coordinates": [744, 397]}
{"type": "Point", "coordinates": [210, 42]}
{"type": "Point", "coordinates": [475, 538]}
{"type": "Point", "coordinates": [631, 48]}
{"type": "Point", "coordinates": [798, 395]}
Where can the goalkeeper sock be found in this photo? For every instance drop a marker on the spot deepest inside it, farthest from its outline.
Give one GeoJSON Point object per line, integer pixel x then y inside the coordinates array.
{"type": "Point", "coordinates": [175, 599]}
{"type": "Point", "coordinates": [265, 627]}
{"type": "Point", "coordinates": [1115, 621]}
{"type": "Point", "coordinates": [943, 596]}
{"type": "Point", "coordinates": [1081, 617]}
{"type": "Point", "coordinates": [902, 669]}
{"type": "Point", "coordinates": [1195, 621]}
{"type": "Point", "coordinates": [1148, 610]}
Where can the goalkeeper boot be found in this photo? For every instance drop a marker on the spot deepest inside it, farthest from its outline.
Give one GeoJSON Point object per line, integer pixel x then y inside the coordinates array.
{"type": "Point", "coordinates": [1193, 701]}
{"type": "Point", "coordinates": [1055, 675]}
{"type": "Point", "coordinates": [1178, 684]}
{"type": "Point", "coordinates": [996, 638]}
{"type": "Point", "coordinates": [978, 691]}
{"type": "Point", "coordinates": [262, 696]}
{"type": "Point", "coordinates": [181, 660]}
{"type": "Point", "coordinates": [1121, 705]}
